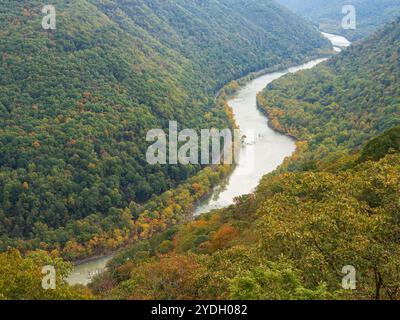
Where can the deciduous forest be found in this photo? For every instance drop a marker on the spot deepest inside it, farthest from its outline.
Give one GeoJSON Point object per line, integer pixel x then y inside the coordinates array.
{"type": "Point", "coordinates": [328, 15]}
{"type": "Point", "coordinates": [76, 104]}
{"type": "Point", "coordinates": [334, 203]}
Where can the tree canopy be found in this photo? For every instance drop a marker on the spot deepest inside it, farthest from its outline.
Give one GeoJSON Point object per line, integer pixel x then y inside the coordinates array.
{"type": "Point", "coordinates": [76, 104]}
{"type": "Point", "coordinates": [328, 15]}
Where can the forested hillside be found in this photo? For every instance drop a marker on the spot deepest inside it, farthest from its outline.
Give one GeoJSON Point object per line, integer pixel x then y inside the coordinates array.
{"type": "Point", "coordinates": [340, 104]}
{"type": "Point", "coordinates": [76, 103]}
{"type": "Point", "coordinates": [334, 203]}
{"type": "Point", "coordinates": [370, 14]}
{"type": "Point", "coordinates": [225, 39]}
{"type": "Point", "coordinates": [288, 240]}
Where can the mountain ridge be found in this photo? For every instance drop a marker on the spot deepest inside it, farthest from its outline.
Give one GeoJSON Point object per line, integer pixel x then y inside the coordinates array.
{"type": "Point", "coordinates": [76, 104]}
{"type": "Point", "coordinates": [328, 16]}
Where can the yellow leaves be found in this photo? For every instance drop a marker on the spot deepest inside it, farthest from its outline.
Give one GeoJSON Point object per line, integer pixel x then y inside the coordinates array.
{"type": "Point", "coordinates": [80, 106]}
{"type": "Point", "coordinates": [92, 166]}
{"type": "Point", "coordinates": [43, 245]}
{"type": "Point", "coordinates": [178, 208]}
{"type": "Point", "coordinates": [21, 277]}
{"type": "Point", "coordinates": [118, 236]}
{"type": "Point", "coordinates": [233, 86]}
{"type": "Point", "coordinates": [275, 113]}
{"type": "Point", "coordinates": [207, 116]}
{"type": "Point", "coordinates": [196, 225]}
{"type": "Point", "coordinates": [276, 124]}
{"type": "Point", "coordinates": [168, 212]}
{"type": "Point", "coordinates": [262, 102]}
{"type": "Point", "coordinates": [25, 185]}
{"type": "Point", "coordinates": [111, 243]}
{"type": "Point", "coordinates": [73, 249]}
{"type": "Point", "coordinates": [55, 253]}
{"type": "Point", "coordinates": [321, 222]}
{"type": "Point", "coordinates": [174, 273]}
{"type": "Point", "coordinates": [36, 144]}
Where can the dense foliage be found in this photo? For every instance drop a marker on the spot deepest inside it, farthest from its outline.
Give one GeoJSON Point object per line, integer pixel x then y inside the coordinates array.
{"type": "Point", "coordinates": [76, 103]}
{"type": "Point", "coordinates": [288, 240]}
{"type": "Point", "coordinates": [327, 15]}
{"type": "Point", "coordinates": [22, 277]}
{"type": "Point", "coordinates": [225, 39]}
{"type": "Point", "coordinates": [377, 148]}
{"type": "Point", "coordinates": [344, 102]}
{"type": "Point", "coordinates": [334, 203]}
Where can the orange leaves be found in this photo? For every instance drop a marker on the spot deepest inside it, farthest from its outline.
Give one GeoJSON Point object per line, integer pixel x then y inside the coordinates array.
{"type": "Point", "coordinates": [81, 106]}
{"type": "Point", "coordinates": [222, 237]}
{"type": "Point", "coordinates": [86, 95]}
{"type": "Point", "coordinates": [72, 142]}
{"type": "Point", "coordinates": [36, 144]}
{"type": "Point", "coordinates": [196, 187]}
{"type": "Point", "coordinates": [73, 250]}
{"type": "Point", "coordinates": [276, 125]}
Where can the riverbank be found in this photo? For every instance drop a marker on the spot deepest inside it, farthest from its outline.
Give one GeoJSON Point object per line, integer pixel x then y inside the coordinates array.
{"type": "Point", "coordinates": [272, 155]}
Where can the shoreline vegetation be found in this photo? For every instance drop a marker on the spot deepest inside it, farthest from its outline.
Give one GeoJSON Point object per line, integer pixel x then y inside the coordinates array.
{"type": "Point", "coordinates": [76, 105]}
{"type": "Point", "coordinates": [74, 178]}
{"type": "Point", "coordinates": [228, 92]}
{"type": "Point", "coordinates": [221, 98]}
{"type": "Point", "coordinates": [89, 206]}
{"type": "Point", "coordinates": [332, 205]}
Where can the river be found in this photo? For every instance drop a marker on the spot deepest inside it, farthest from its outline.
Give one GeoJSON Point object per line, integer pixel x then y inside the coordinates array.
{"type": "Point", "coordinates": [338, 42]}
{"type": "Point", "coordinates": [267, 148]}
{"type": "Point", "coordinates": [262, 152]}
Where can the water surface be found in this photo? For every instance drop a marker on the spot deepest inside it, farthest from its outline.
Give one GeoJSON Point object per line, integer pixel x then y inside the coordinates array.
{"type": "Point", "coordinates": [262, 152]}
{"type": "Point", "coordinates": [338, 42]}
{"type": "Point", "coordinates": [83, 273]}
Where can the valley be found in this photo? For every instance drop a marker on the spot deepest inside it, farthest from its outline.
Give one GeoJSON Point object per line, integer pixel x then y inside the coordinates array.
{"type": "Point", "coordinates": [111, 190]}
{"type": "Point", "coordinates": [76, 105]}
{"type": "Point", "coordinates": [264, 154]}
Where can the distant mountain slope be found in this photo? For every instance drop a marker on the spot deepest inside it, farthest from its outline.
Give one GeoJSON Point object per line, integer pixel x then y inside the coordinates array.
{"type": "Point", "coordinates": [371, 14]}
{"type": "Point", "coordinates": [224, 38]}
{"type": "Point", "coordinates": [340, 104]}
{"type": "Point", "coordinates": [76, 103]}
